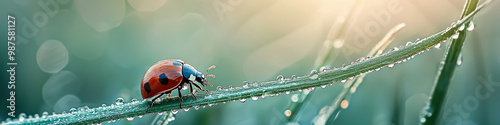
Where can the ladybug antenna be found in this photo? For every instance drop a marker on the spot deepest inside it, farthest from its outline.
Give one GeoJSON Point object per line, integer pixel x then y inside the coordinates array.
{"type": "Point", "coordinates": [206, 73]}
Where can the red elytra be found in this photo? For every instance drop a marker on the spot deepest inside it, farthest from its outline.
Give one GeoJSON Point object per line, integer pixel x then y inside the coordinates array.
{"type": "Point", "coordinates": [167, 75]}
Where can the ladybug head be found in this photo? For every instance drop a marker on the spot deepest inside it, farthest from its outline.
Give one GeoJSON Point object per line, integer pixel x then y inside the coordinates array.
{"type": "Point", "coordinates": [201, 78]}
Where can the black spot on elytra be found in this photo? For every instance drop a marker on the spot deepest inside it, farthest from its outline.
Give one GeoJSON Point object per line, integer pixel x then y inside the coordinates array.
{"type": "Point", "coordinates": [147, 87]}
{"type": "Point", "coordinates": [163, 79]}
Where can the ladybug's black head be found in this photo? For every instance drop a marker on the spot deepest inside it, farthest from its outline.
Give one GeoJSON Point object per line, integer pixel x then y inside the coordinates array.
{"type": "Point", "coordinates": [201, 78]}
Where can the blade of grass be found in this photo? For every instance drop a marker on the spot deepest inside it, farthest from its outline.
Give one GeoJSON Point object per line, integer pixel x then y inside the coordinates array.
{"type": "Point", "coordinates": [263, 89]}
{"type": "Point", "coordinates": [331, 112]}
{"type": "Point", "coordinates": [440, 89]}
{"type": "Point", "coordinates": [327, 55]}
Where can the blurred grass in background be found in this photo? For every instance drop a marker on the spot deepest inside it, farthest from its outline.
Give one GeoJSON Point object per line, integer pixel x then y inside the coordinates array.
{"type": "Point", "coordinates": [86, 53]}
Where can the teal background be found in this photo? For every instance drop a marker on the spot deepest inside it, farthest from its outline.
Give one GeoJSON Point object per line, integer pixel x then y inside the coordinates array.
{"type": "Point", "coordinates": [88, 53]}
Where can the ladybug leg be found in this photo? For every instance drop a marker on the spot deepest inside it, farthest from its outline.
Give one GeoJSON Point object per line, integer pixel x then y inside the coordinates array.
{"type": "Point", "coordinates": [168, 94]}
{"type": "Point", "coordinates": [180, 98]}
{"type": "Point", "coordinates": [191, 90]}
{"type": "Point", "coordinates": [153, 101]}
{"type": "Point", "coordinates": [199, 87]}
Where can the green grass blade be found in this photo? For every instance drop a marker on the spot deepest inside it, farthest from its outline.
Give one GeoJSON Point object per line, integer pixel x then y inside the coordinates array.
{"type": "Point", "coordinates": [326, 56]}
{"type": "Point", "coordinates": [440, 89]}
{"type": "Point", "coordinates": [262, 89]}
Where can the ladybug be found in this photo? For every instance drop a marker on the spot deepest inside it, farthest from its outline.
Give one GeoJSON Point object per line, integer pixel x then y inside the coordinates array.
{"type": "Point", "coordinates": [167, 75]}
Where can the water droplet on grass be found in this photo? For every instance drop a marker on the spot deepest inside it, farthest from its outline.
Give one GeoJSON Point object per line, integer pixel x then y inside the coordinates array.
{"type": "Point", "coordinates": [244, 84]}
{"type": "Point", "coordinates": [471, 26]}
{"type": "Point", "coordinates": [72, 110]}
{"type": "Point", "coordinates": [455, 36]}
{"type": "Point", "coordinates": [293, 77]}
{"type": "Point", "coordinates": [287, 92]}
{"type": "Point", "coordinates": [392, 65]}
{"type": "Point", "coordinates": [280, 79]}
{"type": "Point", "coordinates": [45, 114]}
{"type": "Point", "coordinates": [22, 116]}
{"type": "Point", "coordinates": [219, 88]}
{"type": "Point", "coordinates": [343, 81]}
{"type": "Point", "coordinates": [313, 74]}
{"type": "Point", "coordinates": [462, 27]}
{"type": "Point", "coordinates": [437, 46]}
{"type": "Point", "coordinates": [119, 101]}
{"type": "Point", "coordinates": [323, 86]}
{"type": "Point", "coordinates": [186, 109]}
{"type": "Point", "coordinates": [243, 100]}
{"type": "Point", "coordinates": [130, 118]}
{"type": "Point", "coordinates": [134, 100]}
{"type": "Point", "coordinates": [460, 60]}
{"type": "Point", "coordinates": [175, 111]}
{"type": "Point", "coordinates": [231, 87]}
{"type": "Point", "coordinates": [255, 98]}
{"type": "Point", "coordinates": [196, 107]}
{"type": "Point", "coordinates": [409, 43]}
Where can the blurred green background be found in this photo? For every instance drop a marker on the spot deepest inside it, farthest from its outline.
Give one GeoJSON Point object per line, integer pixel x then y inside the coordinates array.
{"type": "Point", "coordinates": [88, 53]}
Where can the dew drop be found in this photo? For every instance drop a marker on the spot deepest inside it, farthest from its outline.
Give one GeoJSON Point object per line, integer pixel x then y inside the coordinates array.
{"type": "Point", "coordinates": [160, 113]}
{"type": "Point", "coordinates": [394, 49]}
{"type": "Point", "coordinates": [119, 101]}
{"type": "Point", "coordinates": [323, 86]}
{"type": "Point", "coordinates": [244, 84]}
{"type": "Point", "coordinates": [175, 111]}
{"type": "Point", "coordinates": [343, 81]}
{"type": "Point", "coordinates": [323, 68]}
{"type": "Point", "coordinates": [22, 116]}
{"type": "Point", "coordinates": [255, 84]}
{"type": "Point", "coordinates": [84, 108]}
{"type": "Point", "coordinates": [377, 69]}
{"type": "Point", "coordinates": [437, 46]}
{"type": "Point", "coordinates": [409, 43]}
{"type": "Point", "coordinates": [243, 100]}
{"type": "Point", "coordinates": [471, 26]}
{"type": "Point", "coordinates": [460, 60]}
{"type": "Point", "coordinates": [186, 109]}
{"type": "Point", "coordinates": [134, 100]}
{"type": "Point", "coordinates": [255, 98]}
{"type": "Point", "coordinates": [36, 116]}
{"type": "Point", "coordinates": [72, 110]}
{"type": "Point", "coordinates": [130, 118]}
{"type": "Point", "coordinates": [462, 27]}
{"type": "Point", "coordinates": [455, 36]}
{"type": "Point", "coordinates": [45, 114]}
{"type": "Point", "coordinates": [184, 87]}
{"type": "Point", "coordinates": [313, 74]}
{"type": "Point", "coordinates": [140, 116]}
{"type": "Point", "coordinates": [219, 88]}
{"type": "Point", "coordinates": [196, 107]}
{"type": "Point", "coordinates": [231, 87]}
{"type": "Point", "coordinates": [392, 65]}
{"type": "Point", "coordinates": [211, 105]}
{"type": "Point", "coordinates": [293, 77]}
{"type": "Point", "coordinates": [103, 105]}
{"type": "Point", "coordinates": [287, 92]}
{"type": "Point", "coordinates": [280, 79]}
